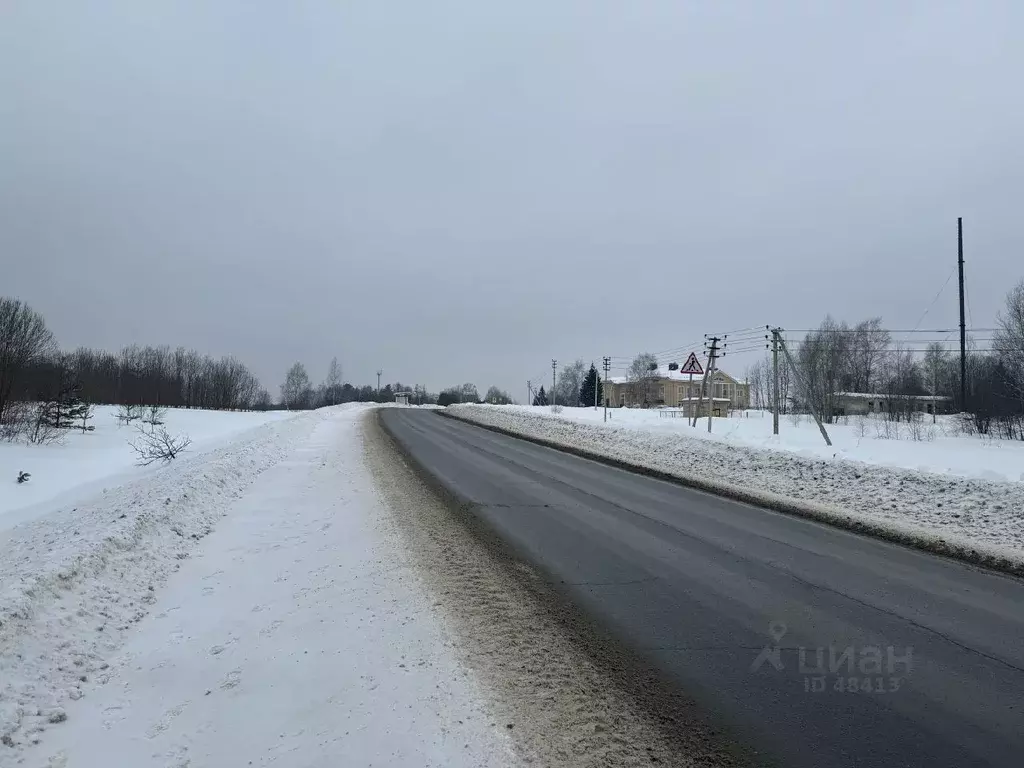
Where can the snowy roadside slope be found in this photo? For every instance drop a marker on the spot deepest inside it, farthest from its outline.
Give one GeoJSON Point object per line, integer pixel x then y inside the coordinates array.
{"type": "Point", "coordinates": [297, 634]}
{"type": "Point", "coordinates": [85, 464]}
{"type": "Point", "coordinates": [942, 448]}
{"type": "Point", "coordinates": [976, 520]}
{"type": "Point", "coordinates": [73, 581]}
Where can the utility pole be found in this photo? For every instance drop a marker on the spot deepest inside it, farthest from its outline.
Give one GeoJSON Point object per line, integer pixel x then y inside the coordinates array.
{"type": "Point", "coordinates": [607, 365]}
{"type": "Point", "coordinates": [712, 357]}
{"type": "Point", "coordinates": [554, 395]}
{"type": "Point", "coordinates": [379, 374]}
{"type": "Point", "coordinates": [529, 392]}
{"type": "Point", "coordinates": [800, 380]}
{"type": "Point", "coordinates": [775, 374]}
{"type": "Point", "coordinates": [596, 377]}
{"type": "Point", "coordinates": [712, 354]}
{"type": "Point", "coordinates": [963, 325]}
{"type": "Point", "coordinates": [935, 387]}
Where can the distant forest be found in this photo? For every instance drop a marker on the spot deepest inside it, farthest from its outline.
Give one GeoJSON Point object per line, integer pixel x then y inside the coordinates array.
{"type": "Point", "coordinates": [34, 369]}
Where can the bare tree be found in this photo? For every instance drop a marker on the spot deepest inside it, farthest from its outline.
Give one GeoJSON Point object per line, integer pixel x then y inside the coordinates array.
{"type": "Point", "coordinates": [332, 384]}
{"type": "Point", "coordinates": [823, 359]}
{"type": "Point", "coordinates": [497, 396]}
{"type": "Point", "coordinates": [570, 379]}
{"type": "Point", "coordinates": [262, 401]}
{"type": "Point", "coordinates": [24, 340]}
{"type": "Point", "coordinates": [642, 374]}
{"type": "Point", "coordinates": [867, 350]}
{"type": "Point", "coordinates": [296, 385]}
{"type": "Point", "coordinates": [155, 416]}
{"type": "Point", "coordinates": [902, 384]}
{"type": "Point", "coordinates": [17, 422]}
{"type": "Point", "coordinates": [468, 393]}
{"type": "Point", "coordinates": [757, 377]}
{"type": "Point", "coordinates": [129, 412]}
{"type": "Point", "coordinates": [158, 445]}
{"type": "Point", "coordinates": [1009, 338]}
{"type": "Point", "coordinates": [41, 429]}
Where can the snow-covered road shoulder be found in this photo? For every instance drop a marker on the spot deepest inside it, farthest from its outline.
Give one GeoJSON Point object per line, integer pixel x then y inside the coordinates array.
{"type": "Point", "coordinates": [73, 581]}
{"type": "Point", "coordinates": [296, 631]}
{"type": "Point", "coordinates": [973, 520]}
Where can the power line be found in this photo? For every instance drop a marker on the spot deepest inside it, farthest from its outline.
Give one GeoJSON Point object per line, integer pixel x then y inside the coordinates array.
{"type": "Point", "coordinates": [952, 271]}
{"type": "Point", "coordinates": [889, 330]}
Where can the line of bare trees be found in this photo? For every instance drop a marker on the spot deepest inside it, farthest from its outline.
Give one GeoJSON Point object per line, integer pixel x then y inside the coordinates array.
{"type": "Point", "coordinates": [34, 369]}
{"type": "Point", "coordinates": [148, 375]}
{"type": "Point", "coordinates": [837, 358]}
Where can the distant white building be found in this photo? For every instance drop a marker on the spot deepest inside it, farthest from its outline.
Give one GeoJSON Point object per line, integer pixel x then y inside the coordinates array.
{"type": "Point", "coordinates": [402, 398]}
{"type": "Point", "coordinates": [858, 403]}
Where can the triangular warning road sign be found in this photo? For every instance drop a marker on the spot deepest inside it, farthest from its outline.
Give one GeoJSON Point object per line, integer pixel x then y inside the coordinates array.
{"type": "Point", "coordinates": [692, 365]}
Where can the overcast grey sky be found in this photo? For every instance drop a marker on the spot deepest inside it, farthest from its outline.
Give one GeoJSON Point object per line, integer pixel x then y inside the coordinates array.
{"type": "Point", "coordinates": [458, 191]}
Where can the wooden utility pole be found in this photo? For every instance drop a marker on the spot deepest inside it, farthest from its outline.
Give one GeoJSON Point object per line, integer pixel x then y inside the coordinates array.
{"type": "Point", "coordinates": [775, 375]}
{"type": "Point", "coordinates": [963, 325]}
{"type": "Point", "coordinates": [806, 391]}
{"type": "Point", "coordinates": [712, 358]}
{"type": "Point", "coordinates": [529, 392]}
{"type": "Point", "coordinates": [607, 365]}
{"type": "Point", "coordinates": [704, 382]}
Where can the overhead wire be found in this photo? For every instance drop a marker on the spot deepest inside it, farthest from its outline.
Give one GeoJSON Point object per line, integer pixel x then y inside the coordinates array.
{"type": "Point", "coordinates": [937, 295]}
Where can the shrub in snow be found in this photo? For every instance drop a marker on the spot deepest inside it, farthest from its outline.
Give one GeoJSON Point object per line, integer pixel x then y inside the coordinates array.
{"type": "Point", "coordinates": [128, 413]}
{"type": "Point", "coordinates": [15, 421]}
{"type": "Point", "coordinates": [158, 445]}
{"type": "Point", "coordinates": [155, 416]}
{"type": "Point", "coordinates": [41, 429]}
{"type": "Point", "coordinates": [23, 477]}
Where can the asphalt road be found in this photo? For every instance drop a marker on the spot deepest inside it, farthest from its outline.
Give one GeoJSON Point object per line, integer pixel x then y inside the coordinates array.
{"type": "Point", "coordinates": [908, 660]}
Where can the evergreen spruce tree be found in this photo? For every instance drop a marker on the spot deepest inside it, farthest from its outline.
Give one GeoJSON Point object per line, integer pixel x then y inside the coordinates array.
{"type": "Point", "coordinates": [540, 398]}
{"type": "Point", "coordinates": [591, 382]}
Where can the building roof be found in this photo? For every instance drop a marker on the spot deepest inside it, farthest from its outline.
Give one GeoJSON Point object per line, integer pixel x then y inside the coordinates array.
{"type": "Point", "coordinates": [664, 373]}
{"type": "Point", "coordinates": [880, 396]}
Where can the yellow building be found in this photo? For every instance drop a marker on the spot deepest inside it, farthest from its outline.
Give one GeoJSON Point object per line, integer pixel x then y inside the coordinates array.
{"type": "Point", "coordinates": [674, 389]}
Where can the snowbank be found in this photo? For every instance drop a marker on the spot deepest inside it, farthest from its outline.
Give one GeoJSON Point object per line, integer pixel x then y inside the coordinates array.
{"type": "Point", "coordinates": [941, 447]}
{"type": "Point", "coordinates": [976, 520]}
{"type": "Point", "coordinates": [85, 463]}
{"type": "Point", "coordinates": [73, 581]}
{"type": "Point", "coordinates": [297, 634]}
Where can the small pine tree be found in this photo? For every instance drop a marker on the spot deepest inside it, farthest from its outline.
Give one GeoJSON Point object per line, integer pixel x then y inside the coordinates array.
{"type": "Point", "coordinates": [67, 408]}
{"type": "Point", "coordinates": [541, 397]}
{"type": "Point", "coordinates": [591, 382]}
{"type": "Point", "coordinates": [87, 412]}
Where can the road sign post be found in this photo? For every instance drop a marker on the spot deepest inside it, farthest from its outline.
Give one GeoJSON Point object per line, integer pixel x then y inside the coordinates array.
{"type": "Point", "coordinates": [691, 366]}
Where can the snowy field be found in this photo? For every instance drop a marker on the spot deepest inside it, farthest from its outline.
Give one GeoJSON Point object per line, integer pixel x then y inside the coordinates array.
{"type": "Point", "coordinates": [948, 495]}
{"type": "Point", "coordinates": [88, 462]}
{"type": "Point", "coordinates": [245, 605]}
{"type": "Point", "coordinates": [939, 448]}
